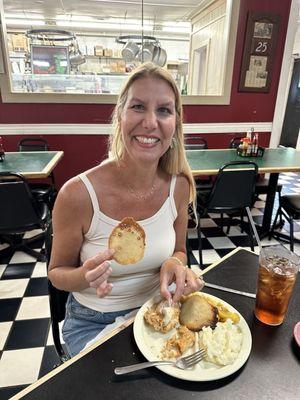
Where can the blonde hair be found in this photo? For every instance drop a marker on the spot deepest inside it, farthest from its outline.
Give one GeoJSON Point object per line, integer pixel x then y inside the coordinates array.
{"type": "Point", "coordinates": [173, 161]}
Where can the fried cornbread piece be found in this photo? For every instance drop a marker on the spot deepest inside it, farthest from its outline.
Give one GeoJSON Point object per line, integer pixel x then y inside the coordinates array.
{"type": "Point", "coordinates": [179, 343]}
{"type": "Point", "coordinates": [196, 312]}
{"type": "Point", "coordinates": [162, 317]}
{"type": "Point", "coordinates": [128, 241]}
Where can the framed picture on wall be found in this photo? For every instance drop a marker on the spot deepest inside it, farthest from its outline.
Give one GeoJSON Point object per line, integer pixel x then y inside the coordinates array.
{"type": "Point", "coordinates": [50, 59]}
{"type": "Point", "coordinates": [259, 52]}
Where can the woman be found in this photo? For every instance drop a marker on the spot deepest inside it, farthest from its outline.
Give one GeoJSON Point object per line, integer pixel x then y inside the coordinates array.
{"type": "Point", "coordinates": [146, 177]}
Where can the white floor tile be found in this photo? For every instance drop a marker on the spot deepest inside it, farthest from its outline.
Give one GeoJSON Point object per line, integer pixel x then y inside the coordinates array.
{"type": "Point", "coordinates": [207, 223]}
{"type": "Point", "coordinates": [4, 331]}
{"type": "Point", "coordinates": [20, 257]}
{"type": "Point", "coordinates": [263, 197]}
{"type": "Point", "coordinates": [50, 336]}
{"type": "Point", "coordinates": [32, 233]}
{"type": "Point", "coordinates": [214, 215]}
{"type": "Point", "coordinates": [271, 242]}
{"type": "Point", "coordinates": [196, 255]}
{"type": "Point", "coordinates": [40, 270]}
{"type": "Point", "coordinates": [256, 212]}
{"type": "Point", "coordinates": [12, 288]}
{"type": "Point", "coordinates": [3, 246]}
{"type": "Point", "coordinates": [260, 204]}
{"type": "Point", "coordinates": [210, 256]}
{"type": "Point", "coordinates": [2, 268]}
{"type": "Point", "coordinates": [34, 307]}
{"type": "Point", "coordinates": [192, 234]}
{"type": "Point", "coordinates": [236, 231]}
{"type": "Point", "coordinates": [20, 367]}
{"type": "Point", "coordinates": [221, 242]}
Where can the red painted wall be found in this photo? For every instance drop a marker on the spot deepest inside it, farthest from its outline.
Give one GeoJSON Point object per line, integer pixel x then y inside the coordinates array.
{"type": "Point", "coordinates": [83, 152]}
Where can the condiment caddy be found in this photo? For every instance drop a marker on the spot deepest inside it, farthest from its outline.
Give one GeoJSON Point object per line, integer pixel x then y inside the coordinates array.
{"type": "Point", "coordinates": [249, 146]}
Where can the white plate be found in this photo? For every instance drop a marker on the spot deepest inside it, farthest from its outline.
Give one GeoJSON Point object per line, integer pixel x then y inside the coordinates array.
{"type": "Point", "coordinates": [150, 344]}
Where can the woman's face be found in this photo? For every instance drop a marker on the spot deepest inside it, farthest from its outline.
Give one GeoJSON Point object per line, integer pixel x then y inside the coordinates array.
{"type": "Point", "coordinates": [148, 120]}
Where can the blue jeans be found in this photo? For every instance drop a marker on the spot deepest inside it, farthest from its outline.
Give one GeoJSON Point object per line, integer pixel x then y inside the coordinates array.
{"type": "Point", "coordinates": [83, 324]}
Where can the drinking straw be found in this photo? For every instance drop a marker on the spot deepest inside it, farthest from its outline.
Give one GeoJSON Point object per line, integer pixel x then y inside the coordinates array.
{"type": "Point", "coordinates": [254, 228]}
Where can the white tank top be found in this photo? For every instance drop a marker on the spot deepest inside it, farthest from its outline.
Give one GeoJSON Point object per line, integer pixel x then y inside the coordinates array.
{"type": "Point", "coordinates": [136, 283]}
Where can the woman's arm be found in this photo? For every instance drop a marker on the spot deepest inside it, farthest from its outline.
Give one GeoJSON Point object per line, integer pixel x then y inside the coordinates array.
{"type": "Point", "coordinates": [72, 215]}
{"type": "Point", "coordinates": [174, 269]}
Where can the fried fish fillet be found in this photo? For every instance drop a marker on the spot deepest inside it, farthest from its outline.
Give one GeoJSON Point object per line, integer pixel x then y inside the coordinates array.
{"type": "Point", "coordinates": [196, 312]}
{"type": "Point", "coordinates": [128, 241]}
{"type": "Point", "coordinates": [179, 343]}
{"type": "Point", "coordinates": [162, 317]}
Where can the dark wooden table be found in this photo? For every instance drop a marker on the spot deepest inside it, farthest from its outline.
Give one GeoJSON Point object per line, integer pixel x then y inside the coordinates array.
{"type": "Point", "coordinates": [271, 372]}
{"type": "Point", "coordinates": [274, 161]}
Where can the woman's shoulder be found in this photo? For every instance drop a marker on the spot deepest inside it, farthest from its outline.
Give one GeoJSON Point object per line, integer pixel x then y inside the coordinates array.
{"type": "Point", "coordinates": [182, 181]}
{"type": "Point", "coordinates": [182, 187]}
{"type": "Point", "coordinates": [73, 191]}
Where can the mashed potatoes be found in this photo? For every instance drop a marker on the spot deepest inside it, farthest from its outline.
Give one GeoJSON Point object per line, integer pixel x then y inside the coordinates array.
{"type": "Point", "coordinates": [222, 344]}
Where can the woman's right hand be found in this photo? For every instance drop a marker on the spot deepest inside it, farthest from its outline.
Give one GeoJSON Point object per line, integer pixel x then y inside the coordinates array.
{"type": "Point", "coordinates": [97, 270]}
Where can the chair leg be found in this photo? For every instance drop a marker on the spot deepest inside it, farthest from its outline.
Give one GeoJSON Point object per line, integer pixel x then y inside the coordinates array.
{"type": "Point", "coordinates": [17, 243]}
{"type": "Point", "coordinates": [278, 213]}
{"type": "Point", "coordinates": [242, 221]}
{"type": "Point", "coordinates": [291, 221]}
{"type": "Point", "coordinates": [199, 244]}
{"type": "Point", "coordinates": [222, 221]}
{"type": "Point", "coordinates": [250, 235]}
{"type": "Point", "coordinates": [229, 224]}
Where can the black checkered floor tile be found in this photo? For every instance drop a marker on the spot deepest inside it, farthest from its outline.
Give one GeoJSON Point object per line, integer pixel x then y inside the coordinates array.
{"type": "Point", "coordinates": [26, 345]}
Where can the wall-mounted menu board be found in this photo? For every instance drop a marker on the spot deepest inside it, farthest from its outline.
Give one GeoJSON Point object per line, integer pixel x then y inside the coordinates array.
{"type": "Point", "coordinates": [259, 51]}
{"type": "Point", "coordinates": [49, 59]}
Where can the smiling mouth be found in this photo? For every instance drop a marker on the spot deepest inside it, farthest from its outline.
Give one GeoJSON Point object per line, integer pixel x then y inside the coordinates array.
{"type": "Point", "coordinates": [146, 140]}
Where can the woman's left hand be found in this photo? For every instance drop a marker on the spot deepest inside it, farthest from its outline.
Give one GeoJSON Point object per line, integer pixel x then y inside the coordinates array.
{"type": "Point", "coordinates": [186, 280]}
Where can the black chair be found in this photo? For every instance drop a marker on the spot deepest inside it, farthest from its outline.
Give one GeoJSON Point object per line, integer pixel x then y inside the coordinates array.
{"type": "Point", "coordinates": [195, 143]}
{"type": "Point", "coordinates": [232, 192]}
{"type": "Point", "coordinates": [262, 184]}
{"type": "Point", "coordinates": [289, 208]}
{"type": "Point", "coordinates": [57, 299]}
{"type": "Point", "coordinates": [19, 213]}
{"type": "Point", "coordinates": [203, 183]}
{"type": "Point", "coordinates": [44, 191]}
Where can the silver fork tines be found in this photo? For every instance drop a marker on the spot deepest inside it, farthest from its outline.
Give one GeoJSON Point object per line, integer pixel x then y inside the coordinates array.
{"type": "Point", "coordinates": [192, 359]}
{"type": "Point", "coordinates": [182, 363]}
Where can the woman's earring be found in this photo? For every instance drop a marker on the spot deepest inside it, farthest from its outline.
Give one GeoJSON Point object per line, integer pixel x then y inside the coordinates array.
{"type": "Point", "coordinates": [173, 143]}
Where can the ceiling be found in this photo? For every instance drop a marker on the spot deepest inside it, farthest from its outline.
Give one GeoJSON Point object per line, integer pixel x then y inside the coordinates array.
{"type": "Point", "coordinates": [157, 10]}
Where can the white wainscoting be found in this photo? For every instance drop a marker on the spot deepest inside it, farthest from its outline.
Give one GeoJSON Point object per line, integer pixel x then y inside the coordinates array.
{"type": "Point", "coordinates": [105, 129]}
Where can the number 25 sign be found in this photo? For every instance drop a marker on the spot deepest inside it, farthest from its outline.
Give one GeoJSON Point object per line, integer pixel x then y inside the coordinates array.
{"type": "Point", "coordinates": [259, 52]}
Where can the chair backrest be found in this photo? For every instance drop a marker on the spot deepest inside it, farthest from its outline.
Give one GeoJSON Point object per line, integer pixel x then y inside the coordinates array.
{"type": "Point", "coordinates": [33, 144]}
{"type": "Point", "coordinates": [18, 211]}
{"type": "Point", "coordinates": [57, 299]}
{"type": "Point", "coordinates": [235, 142]}
{"type": "Point", "coordinates": [233, 188]}
{"type": "Point", "coordinates": [195, 143]}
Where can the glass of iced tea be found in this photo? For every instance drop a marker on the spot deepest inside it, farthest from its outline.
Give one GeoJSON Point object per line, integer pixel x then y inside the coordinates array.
{"type": "Point", "coordinates": [277, 273]}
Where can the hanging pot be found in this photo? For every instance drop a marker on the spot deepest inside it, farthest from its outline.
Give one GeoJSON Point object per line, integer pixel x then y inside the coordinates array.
{"type": "Point", "coordinates": [76, 58]}
{"type": "Point", "coordinates": [146, 53]}
{"type": "Point", "coordinates": [159, 56]}
{"type": "Point", "coordinates": [129, 51]}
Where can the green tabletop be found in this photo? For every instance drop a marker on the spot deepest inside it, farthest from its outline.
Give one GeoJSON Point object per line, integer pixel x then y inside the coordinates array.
{"type": "Point", "coordinates": [208, 162]}
{"type": "Point", "coordinates": [31, 164]}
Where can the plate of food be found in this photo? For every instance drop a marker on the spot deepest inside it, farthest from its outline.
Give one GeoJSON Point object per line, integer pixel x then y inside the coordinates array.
{"type": "Point", "coordinates": [200, 320]}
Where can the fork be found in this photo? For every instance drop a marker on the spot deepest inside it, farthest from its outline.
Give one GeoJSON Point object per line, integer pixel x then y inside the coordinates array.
{"type": "Point", "coordinates": [182, 363]}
